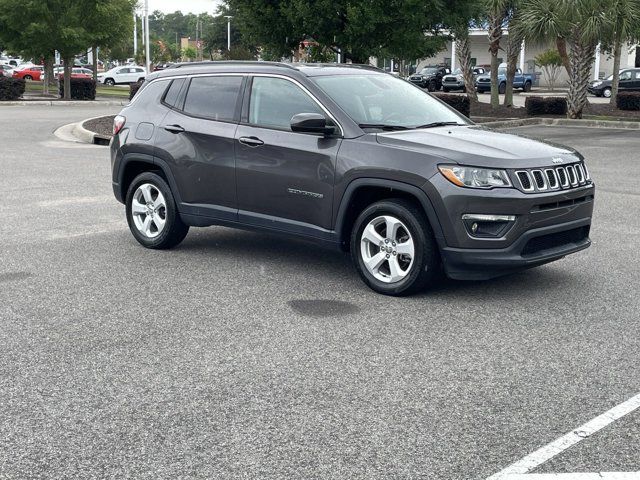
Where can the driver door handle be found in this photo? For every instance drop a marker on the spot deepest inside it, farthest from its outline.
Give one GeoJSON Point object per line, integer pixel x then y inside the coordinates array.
{"type": "Point", "coordinates": [251, 141]}
{"type": "Point", "coordinates": [174, 128]}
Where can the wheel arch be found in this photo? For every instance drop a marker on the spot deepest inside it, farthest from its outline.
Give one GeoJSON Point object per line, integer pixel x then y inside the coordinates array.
{"type": "Point", "coordinates": [364, 191]}
{"type": "Point", "coordinates": [133, 165]}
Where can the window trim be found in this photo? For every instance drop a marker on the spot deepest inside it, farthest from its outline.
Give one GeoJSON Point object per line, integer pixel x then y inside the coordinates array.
{"type": "Point", "coordinates": [179, 99]}
{"type": "Point", "coordinates": [245, 114]}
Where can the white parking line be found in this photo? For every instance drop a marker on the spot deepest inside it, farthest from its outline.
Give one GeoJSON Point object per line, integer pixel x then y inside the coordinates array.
{"type": "Point", "coordinates": [576, 476]}
{"type": "Point", "coordinates": [537, 458]}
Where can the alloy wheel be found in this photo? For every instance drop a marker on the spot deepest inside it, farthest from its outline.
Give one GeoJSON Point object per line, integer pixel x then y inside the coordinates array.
{"type": "Point", "coordinates": [387, 249]}
{"type": "Point", "coordinates": [149, 210]}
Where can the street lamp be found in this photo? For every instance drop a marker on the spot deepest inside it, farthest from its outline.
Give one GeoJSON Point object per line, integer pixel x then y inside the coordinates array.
{"type": "Point", "coordinates": [228, 17]}
{"type": "Point", "coordinates": [146, 34]}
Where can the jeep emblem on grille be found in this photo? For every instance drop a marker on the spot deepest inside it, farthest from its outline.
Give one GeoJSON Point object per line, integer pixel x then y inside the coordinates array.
{"type": "Point", "coordinates": [557, 160]}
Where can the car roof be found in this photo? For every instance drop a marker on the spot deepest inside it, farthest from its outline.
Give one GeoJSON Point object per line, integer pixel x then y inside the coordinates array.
{"type": "Point", "coordinates": [291, 69]}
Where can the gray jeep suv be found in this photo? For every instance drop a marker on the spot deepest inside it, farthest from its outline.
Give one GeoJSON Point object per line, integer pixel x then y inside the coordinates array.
{"type": "Point", "coordinates": [349, 157]}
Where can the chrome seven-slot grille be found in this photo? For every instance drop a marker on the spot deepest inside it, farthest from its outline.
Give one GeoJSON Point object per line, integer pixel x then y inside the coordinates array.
{"type": "Point", "coordinates": [564, 177]}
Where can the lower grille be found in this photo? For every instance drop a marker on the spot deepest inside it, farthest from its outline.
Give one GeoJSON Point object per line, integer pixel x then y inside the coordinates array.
{"type": "Point", "coordinates": [555, 240]}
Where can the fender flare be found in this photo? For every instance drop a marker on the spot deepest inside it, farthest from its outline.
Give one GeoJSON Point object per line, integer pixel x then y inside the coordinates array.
{"type": "Point", "coordinates": [152, 161]}
{"type": "Point", "coordinates": [418, 193]}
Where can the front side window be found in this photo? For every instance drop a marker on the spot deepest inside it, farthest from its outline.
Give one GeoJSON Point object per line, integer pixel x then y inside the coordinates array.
{"type": "Point", "coordinates": [379, 99]}
{"type": "Point", "coordinates": [274, 101]}
{"type": "Point", "coordinates": [214, 98]}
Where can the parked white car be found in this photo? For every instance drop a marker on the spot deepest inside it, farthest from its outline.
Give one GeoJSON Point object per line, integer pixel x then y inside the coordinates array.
{"type": "Point", "coordinates": [120, 75]}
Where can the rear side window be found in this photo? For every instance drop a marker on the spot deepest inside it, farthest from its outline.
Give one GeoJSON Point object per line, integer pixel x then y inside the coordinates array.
{"type": "Point", "coordinates": [213, 97]}
{"type": "Point", "coordinates": [171, 97]}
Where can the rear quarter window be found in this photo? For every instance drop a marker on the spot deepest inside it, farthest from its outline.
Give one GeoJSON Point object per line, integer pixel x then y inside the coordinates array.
{"type": "Point", "coordinates": [150, 93]}
{"type": "Point", "coordinates": [173, 92]}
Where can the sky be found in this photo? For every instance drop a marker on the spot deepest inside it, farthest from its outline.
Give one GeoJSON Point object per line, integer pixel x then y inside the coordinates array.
{"type": "Point", "coordinates": [185, 6]}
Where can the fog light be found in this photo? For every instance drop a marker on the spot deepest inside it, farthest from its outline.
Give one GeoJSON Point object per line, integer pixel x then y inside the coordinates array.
{"type": "Point", "coordinates": [488, 226]}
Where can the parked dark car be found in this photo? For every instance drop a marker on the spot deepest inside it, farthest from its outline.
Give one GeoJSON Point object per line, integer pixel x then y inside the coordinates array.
{"type": "Point", "coordinates": [429, 77]}
{"type": "Point", "coordinates": [347, 157]}
{"type": "Point", "coordinates": [629, 82]}
{"type": "Point", "coordinates": [162, 66]}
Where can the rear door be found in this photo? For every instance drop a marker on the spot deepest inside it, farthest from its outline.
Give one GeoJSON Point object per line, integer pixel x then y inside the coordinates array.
{"type": "Point", "coordinates": [283, 176]}
{"type": "Point", "coordinates": [636, 80]}
{"type": "Point", "coordinates": [626, 80]}
{"type": "Point", "coordinates": [196, 139]}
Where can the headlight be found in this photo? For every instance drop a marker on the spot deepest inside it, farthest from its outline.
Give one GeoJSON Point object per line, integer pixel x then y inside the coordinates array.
{"type": "Point", "coordinates": [596, 84]}
{"type": "Point", "coordinates": [475, 177]}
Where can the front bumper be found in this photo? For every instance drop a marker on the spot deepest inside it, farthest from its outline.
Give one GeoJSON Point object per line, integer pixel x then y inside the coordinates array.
{"type": "Point", "coordinates": [595, 90]}
{"type": "Point", "coordinates": [539, 216]}
{"type": "Point", "coordinates": [453, 85]}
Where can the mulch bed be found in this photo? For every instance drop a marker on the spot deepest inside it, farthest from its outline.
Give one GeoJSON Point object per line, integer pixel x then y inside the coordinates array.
{"type": "Point", "coordinates": [101, 126]}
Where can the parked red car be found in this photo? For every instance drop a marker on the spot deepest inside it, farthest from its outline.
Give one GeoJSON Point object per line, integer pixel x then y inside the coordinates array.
{"type": "Point", "coordinates": [30, 73]}
{"type": "Point", "coordinates": [76, 72]}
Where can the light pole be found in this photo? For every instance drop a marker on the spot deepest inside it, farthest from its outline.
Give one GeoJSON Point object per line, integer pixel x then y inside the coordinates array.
{"type": "Point", "coordinates": [135, 35]}
{"type": "Point", "coordinates": [228, 17]}
{"type": "Point", "coordinates": [146, 33]}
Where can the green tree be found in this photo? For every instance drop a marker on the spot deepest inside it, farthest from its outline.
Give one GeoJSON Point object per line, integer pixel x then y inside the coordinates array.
{"type": "Point", "coordinates": [551, 62]}
{"type": "Point", "coordinates": [497, 12]}
{"type": "Point", "coordinates": [189, 53]}
{"type": "Point", "coordinates": [625, 15]}
{"type": "Point", "coordinates": [580, 23]}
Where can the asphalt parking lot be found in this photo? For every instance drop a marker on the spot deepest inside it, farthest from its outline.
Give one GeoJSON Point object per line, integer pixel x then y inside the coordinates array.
{"type": "Point", "coordinates": [243, 355]}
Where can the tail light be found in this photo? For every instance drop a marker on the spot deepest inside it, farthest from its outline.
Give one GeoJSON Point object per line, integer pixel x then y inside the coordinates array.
{"type": "Point", "coordinates": [118, 124]}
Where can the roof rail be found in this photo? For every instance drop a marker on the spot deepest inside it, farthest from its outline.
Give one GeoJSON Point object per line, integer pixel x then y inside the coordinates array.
{"type": "Point", "coordinates": [232, 62]}
{"type": "Point", "coordinates": [363, 66]}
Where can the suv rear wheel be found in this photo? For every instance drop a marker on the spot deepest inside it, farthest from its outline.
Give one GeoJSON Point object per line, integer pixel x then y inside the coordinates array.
{"type": "Point", "coordinates": [393, 249]}
{"type": "Point", "coordinates": [152, 214]}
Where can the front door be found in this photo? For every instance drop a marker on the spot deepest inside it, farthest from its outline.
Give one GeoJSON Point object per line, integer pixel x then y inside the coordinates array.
{"type": "Point", "coordinates": [283, 176]}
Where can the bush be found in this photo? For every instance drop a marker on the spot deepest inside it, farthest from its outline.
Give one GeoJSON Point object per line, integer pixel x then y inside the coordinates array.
{"type": "Point", "coordinates": [628, 100]}
{"type": "Point", "coordinates": [81, 89]}
{"type": "Point", "coordinates": [133, 89]}
{"type": "Point", "coordinates": [460, 102]}
{"type": "Point", "coordinates": [546, 106]}
{"type": "Point", "coordinates": [11, 88]}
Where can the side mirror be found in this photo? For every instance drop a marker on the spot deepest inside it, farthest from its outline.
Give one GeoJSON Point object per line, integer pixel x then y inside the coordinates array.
{"type": "Point", "coordinates": [311, 123]}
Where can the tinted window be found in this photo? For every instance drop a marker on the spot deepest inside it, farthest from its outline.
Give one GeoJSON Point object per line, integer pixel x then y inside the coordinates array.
{"type": "Point", "coordinates": [150, 93]}
{"type": "Point", "coordinates": [213, 97]}
{"type": "Point", "coordinates": [275, 100]}
{"type": "Point", "coordinates": [171, 97]}
{"type": "Point", "coordinates": [625, 75]}
{"type": "Point", "coordinates": [638, 75]}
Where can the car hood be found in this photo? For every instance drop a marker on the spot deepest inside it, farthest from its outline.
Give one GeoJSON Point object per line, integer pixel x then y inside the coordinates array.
{"type": "Point", "coordinates": [479, 146]}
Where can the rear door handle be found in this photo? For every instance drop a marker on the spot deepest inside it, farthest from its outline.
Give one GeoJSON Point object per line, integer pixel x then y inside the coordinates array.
{"type": "Point", "coordinates": [174, 128]}
{"type": "Point", "coordinates": [251, 141]}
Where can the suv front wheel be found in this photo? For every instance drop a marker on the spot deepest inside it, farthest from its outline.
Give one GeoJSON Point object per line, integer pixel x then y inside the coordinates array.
{"type": "Point", "coordinates": [152, 214]}
{"type": "Point", "coordinates": [393, 248]}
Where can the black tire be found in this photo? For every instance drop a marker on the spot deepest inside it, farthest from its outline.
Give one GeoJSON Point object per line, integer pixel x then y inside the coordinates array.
{"type": "Point", "coordinates": [502, 88]}
{"type": "Point", "coordinates": [606, 92]}
{"type": "Point", "coordinates": [425, 267]}
{"type": "Point", "coordinates": [174, 230]}
{"type": "Point", "coordinates": [110, 81]}
{"type": "Point", "coordinates": [527, 87]}
{"type": "Point", "coordinates": [28, 77]}
{"type": "Point", "coordinates": [432, 87]}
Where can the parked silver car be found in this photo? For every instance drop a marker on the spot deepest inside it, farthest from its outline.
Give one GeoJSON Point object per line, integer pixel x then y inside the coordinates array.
{"type": "Point", "coordinates": [455, 80]}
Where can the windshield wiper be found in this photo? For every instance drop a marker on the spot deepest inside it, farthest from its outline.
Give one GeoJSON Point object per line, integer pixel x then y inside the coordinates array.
{"type": "Point", "coordinates": [383, 126]}
{"type": "Point", "coordinates": [438, 124]}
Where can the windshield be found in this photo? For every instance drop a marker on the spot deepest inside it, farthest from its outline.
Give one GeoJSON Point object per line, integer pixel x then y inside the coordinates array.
{"type": "Point", "coordinates": [429, 70]}
{"type": "Point", "coordinates": [386, 100]}
{"type": "Point", "coordinates": [502, 71]}
{"type": "Point", "coordinates": [457, 71]}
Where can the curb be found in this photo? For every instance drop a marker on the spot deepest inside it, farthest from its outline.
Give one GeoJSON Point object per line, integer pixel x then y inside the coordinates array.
{"type": "Point", "coordinates": [62, 103]}
{"type": "Point", "coordinates": [88, 136]}
{"type": "Point", "coordinates": [565, 122]}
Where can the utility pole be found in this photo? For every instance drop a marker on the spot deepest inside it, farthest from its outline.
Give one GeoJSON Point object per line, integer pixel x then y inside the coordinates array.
{"type": "Point", "coordinates": [146, 33]}
{"type": "Point", "coordinates": [135, 35]}
{"type": "Point", "coordinates": [228, 17]}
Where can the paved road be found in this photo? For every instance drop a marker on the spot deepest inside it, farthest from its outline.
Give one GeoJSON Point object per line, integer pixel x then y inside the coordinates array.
{"type": "Point", "coordinates": [240, 355]}
{"type": "Point", "coordinates": [519, 99]}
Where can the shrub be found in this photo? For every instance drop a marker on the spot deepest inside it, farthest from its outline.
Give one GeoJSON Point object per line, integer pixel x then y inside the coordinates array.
{"type": "Point", "coordinates": [460, 102]}
{"type": "Point", "coordinates": [81, 89]}
{"type": "Point", "coordinates": [11, 88]}
{"type": "Point", "coordinates": [628, 100]}
{"type": "Point", "coordinates": [133, 89]}
{"type": "Point", "coordinates": [546, 106]}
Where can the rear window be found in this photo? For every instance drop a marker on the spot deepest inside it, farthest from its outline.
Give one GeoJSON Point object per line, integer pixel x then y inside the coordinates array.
{"type": "Point", "coordinates": [213, 97]}
{"type": "Point", "coordinates": [171, 97]}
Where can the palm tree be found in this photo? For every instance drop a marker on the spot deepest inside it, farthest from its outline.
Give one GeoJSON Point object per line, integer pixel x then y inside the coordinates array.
{"type": "Point", "coordinates": [625, 15]}
{"type": "Point", "coordinates": [496, 11]}
{"type": "Point", "coordinates": [464, 49]}
{"type": "Point", "coordinates": [580, 23]}
{"type": "Point", "coordinates": [514, 46]}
